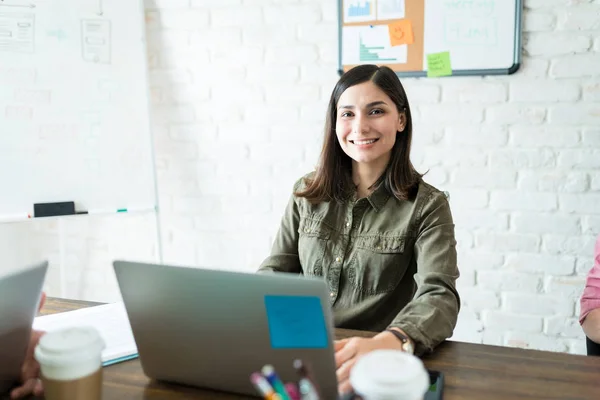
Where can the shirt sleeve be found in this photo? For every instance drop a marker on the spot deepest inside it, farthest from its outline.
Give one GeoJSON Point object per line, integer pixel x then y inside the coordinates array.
{"type": "Point", "coordinates": [430, 317]}
{"type": "Point", "coordinates": [284, 253]}
{"type": "Point", "coordinates": [590, 298]}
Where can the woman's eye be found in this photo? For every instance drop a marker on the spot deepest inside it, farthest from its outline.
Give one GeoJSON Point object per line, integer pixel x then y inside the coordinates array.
{"type": "Point", "coordinates": [376, 111]}
{"type": "Point", "coordinates": [346, 114]}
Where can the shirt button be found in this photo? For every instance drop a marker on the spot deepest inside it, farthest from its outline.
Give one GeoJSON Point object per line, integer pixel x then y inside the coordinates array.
{"type": "Point", "coordinates": [338, 259]}
{"type": "Point", "coordinates": [347, 223]}
{"type": "Point", "coordinates": [332, 294]}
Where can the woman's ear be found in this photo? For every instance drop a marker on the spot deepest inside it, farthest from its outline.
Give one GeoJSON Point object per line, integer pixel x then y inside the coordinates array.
{"type": "Point", "coordinates": [401, 122]}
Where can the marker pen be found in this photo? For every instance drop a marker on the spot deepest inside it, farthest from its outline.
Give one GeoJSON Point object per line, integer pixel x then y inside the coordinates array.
{"type": "Point", "coordinates": [308, 388]}
{"type": "Point", "coordinates": [262, 385]}
{"type": "Point", "coordinates": [15, 217]}
{"type": "Point", "coordinates": [269, 372]}
{"type": "Point", "coordinates": [121, 210]}
{"type": "Point", "coordinates": [292, 390]}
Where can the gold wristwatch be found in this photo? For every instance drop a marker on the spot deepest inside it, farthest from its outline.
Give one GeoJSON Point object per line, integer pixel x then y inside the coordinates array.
{"type": "Point", "coordinates": [407, 345]}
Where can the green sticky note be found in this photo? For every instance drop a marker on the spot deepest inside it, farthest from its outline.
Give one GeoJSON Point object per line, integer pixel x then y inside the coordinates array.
{"type": "Point", "coordinates": [438, 64]}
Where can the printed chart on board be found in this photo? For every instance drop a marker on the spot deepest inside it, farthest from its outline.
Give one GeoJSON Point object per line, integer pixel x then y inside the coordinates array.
{"type": "Point", "coordinates": [431, 37]}
{"type": "Point", "coordinates": [74, 119]}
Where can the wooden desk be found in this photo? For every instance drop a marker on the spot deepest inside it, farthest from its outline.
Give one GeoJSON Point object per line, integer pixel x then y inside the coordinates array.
{"type": "Point", "coordinates": [472, 371]}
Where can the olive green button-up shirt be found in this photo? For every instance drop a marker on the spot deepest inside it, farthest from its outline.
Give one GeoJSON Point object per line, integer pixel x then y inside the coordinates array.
{"type": "Point", "coordinates": [386, 262]}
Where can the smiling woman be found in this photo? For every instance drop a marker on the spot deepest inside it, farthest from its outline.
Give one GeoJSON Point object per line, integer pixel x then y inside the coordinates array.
{"type": "Point", "coordinates": [366, 128]}
{"type": "Point", "coordinates": [368, 135]}
{"type": "Point", "coordinates": [367, 223]}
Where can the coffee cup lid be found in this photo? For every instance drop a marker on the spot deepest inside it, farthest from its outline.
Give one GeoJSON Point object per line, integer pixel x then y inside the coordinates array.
{"type": "Point", "coordinates": [67, 345]}
{"type": "Point", "coordinates": [389, 374]}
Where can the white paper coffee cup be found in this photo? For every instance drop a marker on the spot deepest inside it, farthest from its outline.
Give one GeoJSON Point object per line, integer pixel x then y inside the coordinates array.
{"type": "Point", "coordinates": [70, 353]}
{"type": "Point", "coordinates": [389, 375]}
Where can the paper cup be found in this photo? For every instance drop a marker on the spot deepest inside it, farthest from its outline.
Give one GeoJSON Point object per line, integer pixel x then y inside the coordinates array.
{"type": "Point", "coordinates": [71, 363]}
{"type": "Point", "coordinates": [389, 375]}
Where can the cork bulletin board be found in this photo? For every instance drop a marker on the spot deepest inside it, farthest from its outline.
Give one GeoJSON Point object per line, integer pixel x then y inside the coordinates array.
{"type": "Point", "coordinates": [431, 37]}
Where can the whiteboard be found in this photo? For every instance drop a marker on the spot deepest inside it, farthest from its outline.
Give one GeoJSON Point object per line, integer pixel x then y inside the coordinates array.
{"type": "Point", "coordinates": [74, 119]}
{"type": "Point", "coordinates": [482, 37]}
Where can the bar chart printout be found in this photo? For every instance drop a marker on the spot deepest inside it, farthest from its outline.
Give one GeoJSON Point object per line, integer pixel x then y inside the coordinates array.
{"type": "Point", "coordinates": [359, 10]}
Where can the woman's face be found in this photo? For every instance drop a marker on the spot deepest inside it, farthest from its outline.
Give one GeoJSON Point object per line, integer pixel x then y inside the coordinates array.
{"type": "Point", "coordinates": [367, 122]}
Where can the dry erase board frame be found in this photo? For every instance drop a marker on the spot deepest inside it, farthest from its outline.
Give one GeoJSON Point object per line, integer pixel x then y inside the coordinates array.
{"type": "Point", "coordinates": [413, 67]}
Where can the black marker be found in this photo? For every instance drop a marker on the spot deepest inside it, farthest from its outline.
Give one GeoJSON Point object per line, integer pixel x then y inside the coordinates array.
{"type": "Point", "coordinates": [308, 389]}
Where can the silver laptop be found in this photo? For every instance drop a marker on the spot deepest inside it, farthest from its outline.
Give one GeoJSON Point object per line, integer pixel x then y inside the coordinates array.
{"type": "Point", "coordinates": [20, 293]}
{"type": "Point", "coordinates": [212, 329]}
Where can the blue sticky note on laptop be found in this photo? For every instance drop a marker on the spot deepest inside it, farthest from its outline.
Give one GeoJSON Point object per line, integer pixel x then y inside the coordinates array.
{"type": "Point", "coordinates": [296, 322]}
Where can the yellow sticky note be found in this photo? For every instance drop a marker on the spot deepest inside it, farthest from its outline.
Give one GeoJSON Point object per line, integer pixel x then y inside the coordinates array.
{"type": "Point", "coordinates": [401, 32]}
{"type": "Point", "coordinates": [438, 64]}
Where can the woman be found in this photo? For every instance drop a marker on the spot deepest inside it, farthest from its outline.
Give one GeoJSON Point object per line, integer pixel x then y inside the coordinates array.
{"type": "Point", "coordinates": [590, 300]}
{"type": "Point", "coordinates": [367, 223]}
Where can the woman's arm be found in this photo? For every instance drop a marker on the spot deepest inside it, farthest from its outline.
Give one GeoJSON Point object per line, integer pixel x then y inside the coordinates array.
{"type": "Point", "coordinates": [430, 317]}
{"type": "Point", "coordinates": [590, 300]}
{"type": "Point", "coordinates": [284, 253]}
{"type": "Point", "coordinates": [591, 325]}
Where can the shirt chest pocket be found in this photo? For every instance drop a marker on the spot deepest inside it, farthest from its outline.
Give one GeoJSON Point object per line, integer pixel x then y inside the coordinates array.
{"type": "Point", "coordinates": [312, 243]}
{"type": "Point", "coordinates": [379, 263]}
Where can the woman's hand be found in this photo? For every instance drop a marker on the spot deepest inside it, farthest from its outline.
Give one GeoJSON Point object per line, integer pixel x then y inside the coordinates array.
{"type": "Point", "coordinates": [30, 371]}
{"type": "Point", "coordinates": [348, 351]}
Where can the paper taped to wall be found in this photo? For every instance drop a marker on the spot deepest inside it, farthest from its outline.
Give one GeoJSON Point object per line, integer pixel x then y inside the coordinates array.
{"type": "Point", "coordinates": [401, 32]}
{"type": "Point", "coordinates": [370, 45]}
{"type": "Point", "coordinates": [438, 64]}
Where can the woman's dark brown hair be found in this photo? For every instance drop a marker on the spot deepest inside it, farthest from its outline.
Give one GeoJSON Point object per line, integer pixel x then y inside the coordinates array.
{"type": "Point", "coordinates": [333, 177]}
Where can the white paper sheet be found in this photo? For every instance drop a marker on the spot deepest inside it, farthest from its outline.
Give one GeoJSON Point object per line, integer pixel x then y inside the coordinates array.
{"type": "Point", "coordinates": [96, 40]}
{"type": "Point", "coordinates": [109, 319]}
{"type": "Point", "coordinates": [390, 9]}
{"type": "Point", "coordinates": [17, 32]}
{"type": "Point", "coordinates": [371, 45]}
{"type": "Point", "coordinates": [359, 10]}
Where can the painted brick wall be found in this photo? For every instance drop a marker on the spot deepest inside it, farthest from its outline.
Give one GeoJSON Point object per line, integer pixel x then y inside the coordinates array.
{"type": "Point", "coordinates": [241, 90]}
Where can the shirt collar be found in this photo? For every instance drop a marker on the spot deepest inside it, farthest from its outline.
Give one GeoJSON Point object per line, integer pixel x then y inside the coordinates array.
{"type": "Point", "coordinates": [379, 197]}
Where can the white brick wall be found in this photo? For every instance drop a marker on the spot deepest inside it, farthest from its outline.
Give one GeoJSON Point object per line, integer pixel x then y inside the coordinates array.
{"type": "Point", "coordinates": [239, 91]}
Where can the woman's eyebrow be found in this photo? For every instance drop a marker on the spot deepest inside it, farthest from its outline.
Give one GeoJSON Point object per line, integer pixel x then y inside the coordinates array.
{"type": "Point", "coordinates": [374, 103]}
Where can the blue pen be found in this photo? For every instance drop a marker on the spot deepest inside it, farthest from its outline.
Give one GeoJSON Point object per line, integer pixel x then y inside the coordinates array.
{"type": "Point", "coordinates": [269, 372]}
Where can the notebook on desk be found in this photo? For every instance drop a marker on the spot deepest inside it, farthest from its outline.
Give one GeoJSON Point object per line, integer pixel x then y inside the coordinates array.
{"type": "Point", "coordinates": [109, 319]}
{"type": "Point", "coordinates": [213, 329]}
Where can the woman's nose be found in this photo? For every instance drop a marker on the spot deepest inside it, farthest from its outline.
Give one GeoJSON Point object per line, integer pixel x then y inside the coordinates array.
{"type": "Point", "coordinates": [361, 125]}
